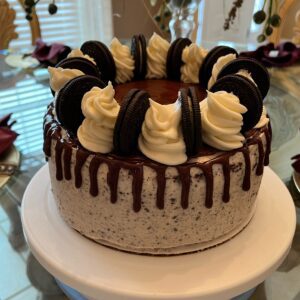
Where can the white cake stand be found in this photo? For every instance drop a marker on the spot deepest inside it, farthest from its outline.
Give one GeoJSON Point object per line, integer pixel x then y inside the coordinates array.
{"type": "Point", "coordinates": [218, 273]}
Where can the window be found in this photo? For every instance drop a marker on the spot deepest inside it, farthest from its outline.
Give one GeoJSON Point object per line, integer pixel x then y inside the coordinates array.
{"type": "Point", "coordinates": [27, 96]}
{"type": "Point", "coordinates": [75, 22]}
{"type": "Point", "coordinates": [242, 33]}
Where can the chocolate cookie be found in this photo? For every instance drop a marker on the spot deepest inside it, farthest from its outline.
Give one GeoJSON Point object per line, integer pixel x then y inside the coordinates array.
{"type": "Point", "coordinates": [258, 72]}
{"type": "Point", "coordinates": [129, 121]}
{"type": "Point", "coordinates": [139, 54]}
{"type": "Point", "coordinates": [248, 94]}
{"type": "Point", "coordinates": [68, 101]}
{"type": "Point", "coordinates": [191, 120]}
{"type": "Point", "coordinates": [209, 61]}
{"type": "Point", "coordinates": [79, 63]}
{"type": "Point", "coordinates": [103, 58]}
{"type": "Point", "coordinates": [174, 60]}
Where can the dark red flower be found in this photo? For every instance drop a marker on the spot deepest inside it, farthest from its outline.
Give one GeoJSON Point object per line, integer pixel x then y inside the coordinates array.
{"type": "Point", "coordinates": [296, 163]}
{"type": "Point", "coordinates": [7, 135]}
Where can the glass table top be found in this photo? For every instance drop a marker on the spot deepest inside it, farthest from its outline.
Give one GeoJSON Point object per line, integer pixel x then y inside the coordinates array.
{"type": "Point", "coordinates": [27, 96]}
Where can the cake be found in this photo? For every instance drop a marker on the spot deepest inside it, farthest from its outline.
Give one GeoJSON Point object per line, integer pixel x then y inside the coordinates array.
{"type": "Point", "coordinates": [159, 148]}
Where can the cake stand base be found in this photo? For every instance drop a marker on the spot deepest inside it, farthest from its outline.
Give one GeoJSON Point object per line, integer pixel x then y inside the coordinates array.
{"type": "Point", "coordinates": [101, 273]}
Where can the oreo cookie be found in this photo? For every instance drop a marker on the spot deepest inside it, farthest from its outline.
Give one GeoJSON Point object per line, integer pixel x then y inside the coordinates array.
{"type": "Point", "coordinates": [129, 121]}
{"type": "Point", "coordinates": [258, 72]}
{"type": "Point", "coordinates": [191, 120]}
{"type": "Point", "coordinates": [103, 58]}
{"type": "Point", "coordinates": [209, 61]}
{"type": "Point", "coordinates": [248, 94]}
{"type": "Point", "coordinates": [139, 54]}
{"type": "Point", "coordinates": [174, 60]}
{"type": "Point", "coordinates": [79, 63]}
{"type": "Point", "coordinates": [68, 101]}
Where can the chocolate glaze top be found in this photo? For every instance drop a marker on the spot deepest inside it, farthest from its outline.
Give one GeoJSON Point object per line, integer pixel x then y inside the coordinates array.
{"type": "Point", "coordinates": [162, 91]}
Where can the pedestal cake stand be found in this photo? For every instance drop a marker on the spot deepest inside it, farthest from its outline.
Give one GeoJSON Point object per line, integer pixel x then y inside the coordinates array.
{"type": "Point", "coordinates": [101, 273]}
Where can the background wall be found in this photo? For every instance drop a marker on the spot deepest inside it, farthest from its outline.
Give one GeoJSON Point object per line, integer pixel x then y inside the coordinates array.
{"type": "Point", "coordinates": [133, 18]}
{"type": "Point", "coordinates": [290, 21]}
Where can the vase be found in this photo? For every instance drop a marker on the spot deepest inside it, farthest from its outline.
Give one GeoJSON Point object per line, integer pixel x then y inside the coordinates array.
{"type": "Point", "coordinates": [182, 22]}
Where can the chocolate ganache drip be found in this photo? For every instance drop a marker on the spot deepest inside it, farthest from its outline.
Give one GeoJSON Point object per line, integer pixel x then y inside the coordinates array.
{"type": "Point", "coordinates": [135, 165]}
{"type": "Point", "coordinates": [93, 170]}
{"type": "Point", "coordinates": [112, 180]}
{"type": "Point", "coordinates": [226, 172]}
{"type": "Point", "coordinates": [161, 178]}
{"type": "Point", "coordinates": [67, 161]}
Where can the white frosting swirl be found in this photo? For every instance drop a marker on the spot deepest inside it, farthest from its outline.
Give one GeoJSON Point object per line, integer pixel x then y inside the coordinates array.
{"type": "Point", "coordinates": [264, 120]}
{"type": "Point", "coordinates": [157, 51]}
{"type": "Point", "coordinates": [123, 60]}
{"type": "Point", "coordinates": [221, 115]}
{"type": "Point", "coordinates": [192, 56]}
{"type": "Point", "coordinates": [59, 77]}
{"type": "Point", "coordinates": [161, 137]}
{"type": "Point", "coordinates": [246, 74]}
{"type": "Point", "coordinates": [78, 53]}
{"type": "Point", "coordinates": [218, 66]}
{"type": "Point", "coordinates": [100, 110]}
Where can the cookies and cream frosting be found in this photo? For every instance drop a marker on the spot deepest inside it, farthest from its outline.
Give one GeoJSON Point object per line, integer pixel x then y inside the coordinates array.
{"type": "Point", "coordinates": [59, 77]}
{"type": "Point", "coordinates": [222, 120]}
{"type": "Point", "coordinates": [220, 63]}
{"type": "Point", "coordinates": [123, 60]}
{"type": "Point", "coordinates": [192, 56]}
{"type": "Point", "coordinates": [161, 138]}
{"type": "Point", "coordinates": [78, 53]}
{"type": "Point", "coordinates": [100, 110]}
{"type": "Point", "coordinates": [157, 51]}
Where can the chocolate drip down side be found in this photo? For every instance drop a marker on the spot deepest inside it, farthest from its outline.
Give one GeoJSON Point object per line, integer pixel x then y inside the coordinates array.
{"type": "Point", "coordinates": [93, 170]}
{"type": "Point", "coordinates": [112, 180]}
{"type": "Point", "coordinates": [226, 174]}
{"type": "Point", "coordinates": [67, 161]}
{"type": "Point", "coordinates": [135, 165]}
{"type": "Point", "coordinates": [81, 157]}
{"type": "Point", "coordinates": [161, 179]}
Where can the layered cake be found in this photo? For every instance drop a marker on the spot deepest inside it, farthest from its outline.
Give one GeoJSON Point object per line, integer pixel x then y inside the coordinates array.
{"type": "Point", "coordinates": [157, 148]}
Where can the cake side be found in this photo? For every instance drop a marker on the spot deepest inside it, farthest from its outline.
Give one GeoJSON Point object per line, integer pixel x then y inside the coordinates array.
{"type": "Point", "coordinates": [219, 201]}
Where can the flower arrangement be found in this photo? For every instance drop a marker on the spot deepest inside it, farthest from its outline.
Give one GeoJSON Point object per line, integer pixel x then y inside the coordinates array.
{"type": "Point", "coordinates": [270, 19]}
{"type": "Point", "coordinates": [29, 6]}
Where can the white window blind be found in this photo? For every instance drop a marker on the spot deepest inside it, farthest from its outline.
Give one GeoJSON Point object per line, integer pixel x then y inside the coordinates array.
{"type": "Point", "coordinates": [75, 22]}
{"type": "Point", "coordinates": [27, 100]}
{"type": "Point", "coordinates": [63, 27]}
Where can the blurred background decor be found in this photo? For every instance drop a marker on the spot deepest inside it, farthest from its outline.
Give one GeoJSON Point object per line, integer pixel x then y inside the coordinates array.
{"type": "Point", "coordinates": [296, 29]}
{"type": "Point", "coordinates": [7, 28]}
{"type": "Point", "coordinates": [285, 9]}
{"type": "Point", "coordinates": [32, 18]}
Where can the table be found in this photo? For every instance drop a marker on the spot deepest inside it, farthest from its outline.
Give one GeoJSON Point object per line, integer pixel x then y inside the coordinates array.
{"type": "Point", "coordinates": [283, 107]}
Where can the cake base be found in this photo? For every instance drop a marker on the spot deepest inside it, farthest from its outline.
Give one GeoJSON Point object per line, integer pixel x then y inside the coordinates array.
{"type": "Point", "coordinates": [185, 249]}
{"type": "Point", "coordinates": [218, 273]}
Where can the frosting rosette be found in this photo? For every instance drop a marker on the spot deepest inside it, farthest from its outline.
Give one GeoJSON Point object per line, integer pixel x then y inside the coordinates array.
{"type": "Point", "coordinates": [222, 120]}
{"type": "Point", "coordinates": [246, 74]}
{"type": "Point", "coordinates": [100, 110]}
{"type": "Point", "coordinates": [161, 138]}
{"type": "Point", "coordinates": [123, 60]}
{"type": "Point", "coordinates": [78, 53]}
{"type": "Point", "coordinates": [218, 66]}
{"type": "Point", "coordinates": [264, 120]}
{"type": "Point", "coordinates": [192, 56]}
{"type": "Point", "coordinates": [59, 77]}
{"type": "Point", "coordinates": [157, 51]}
